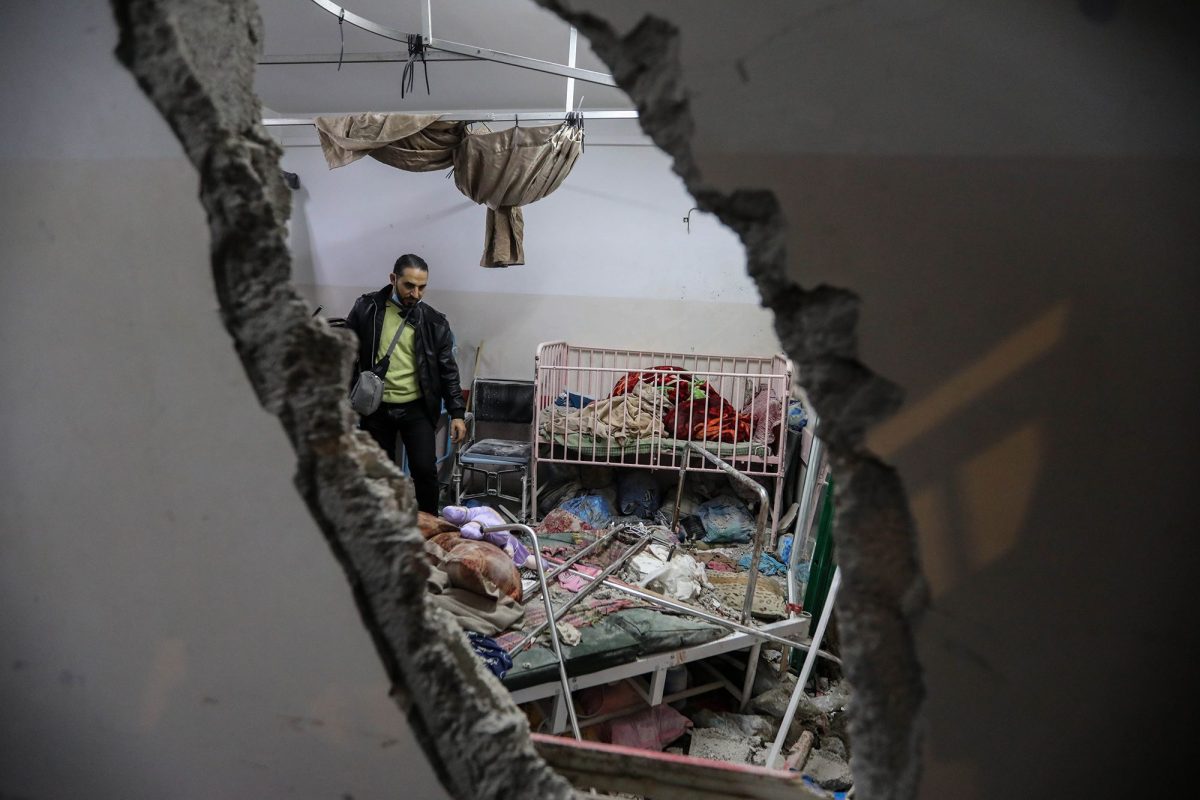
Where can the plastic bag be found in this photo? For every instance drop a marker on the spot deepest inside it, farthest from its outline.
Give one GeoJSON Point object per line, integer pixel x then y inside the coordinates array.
{"type": "Point", "coordinates": [652, 729]}
{"type": "Point", "coordinates": [594, 509]}
{"type": "Point", "coordinates": [797, 418]}
{"type": "Point", "coordinates": [563, 491]}
{"type": "Point", "coordinates": [725, 521]}
{"type": "Point", "coordinates": [681, 578]}
{"type": "Point", "coordinates": [638, 493]}
{"type": "Point", "coordinates": [785, 548]}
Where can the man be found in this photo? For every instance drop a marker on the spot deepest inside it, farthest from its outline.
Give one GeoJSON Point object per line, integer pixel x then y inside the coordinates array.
{"type": "Point", "coordinates": [419, 377]}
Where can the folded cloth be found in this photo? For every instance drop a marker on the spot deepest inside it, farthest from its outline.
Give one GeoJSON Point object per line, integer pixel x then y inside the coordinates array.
{"type": "Point", "coordinates": [490, 653]}
{"type": "Point", "coordinates": [474, 612]}
{"type": "Point", "coordinates": [627, 416]}
{"type": "Point", "coordinates": [572, 582]}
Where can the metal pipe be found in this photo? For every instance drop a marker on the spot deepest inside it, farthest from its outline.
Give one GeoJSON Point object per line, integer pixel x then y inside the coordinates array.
{"type": "Point", "coordinates": [683, 608]}
{"type": "Point", "coordinates": [541, 571]}
{"type": "Point", "coordinates": [800, 534]}
{"type": "Point", "coordinates": [806, 670]}
{"type": "Point", "coordinates": [512, 59]}
{"type": "Point", "coordinates": [763, 501]}
{"type": "Point", "coordinates": [571, 46]}
{"type": "Point", "coordinates": [633, 550]}
{"type": "Point", "coordinates": [554, 573]}
{"type": "Point", "coordinates": [427, 22]}
{"type": "Point", "coordinates": [679, 496]}
{"type": "Point", "coordinates": [390, 57]}
{"type": "Point", "coordinates": [475, 116]}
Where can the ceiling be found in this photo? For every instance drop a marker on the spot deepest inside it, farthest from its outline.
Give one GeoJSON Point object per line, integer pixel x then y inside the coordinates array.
{"type": "Point", "coordinates": [515, 26]}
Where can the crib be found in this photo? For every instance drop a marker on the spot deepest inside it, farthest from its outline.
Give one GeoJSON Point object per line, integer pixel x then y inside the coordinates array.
{"type": "Point", "coordinates": [656, 410]}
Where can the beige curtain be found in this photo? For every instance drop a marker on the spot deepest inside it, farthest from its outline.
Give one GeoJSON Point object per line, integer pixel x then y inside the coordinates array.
{"type": "Point", "coordinates": [411, 142]}
{"type": "Point", "coordinates": [502, 170]}
{"type": "Point", "coordinates": [509, 169]}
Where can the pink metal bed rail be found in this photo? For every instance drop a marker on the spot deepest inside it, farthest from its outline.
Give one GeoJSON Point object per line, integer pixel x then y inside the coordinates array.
{"type": "Point", "coordinates": [750, 435]}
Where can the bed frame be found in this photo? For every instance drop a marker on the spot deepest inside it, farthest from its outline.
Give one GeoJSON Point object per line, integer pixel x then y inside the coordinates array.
{"type": "Point", "coordinates": [593, 371]}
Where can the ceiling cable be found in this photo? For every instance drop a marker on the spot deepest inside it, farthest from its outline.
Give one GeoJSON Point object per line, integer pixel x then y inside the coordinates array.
{"type": "Point", "coordinates": [341, 39]}
{"type": "Point", "coordinates": [416, 50]}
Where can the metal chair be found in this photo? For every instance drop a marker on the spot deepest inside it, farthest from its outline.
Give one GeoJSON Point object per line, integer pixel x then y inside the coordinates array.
{"type": "Point", "coordinates": [495, 400]}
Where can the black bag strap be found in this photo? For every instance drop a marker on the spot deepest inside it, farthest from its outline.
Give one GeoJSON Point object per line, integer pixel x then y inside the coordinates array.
{"type": "Point", "coordinates": [395, 339]}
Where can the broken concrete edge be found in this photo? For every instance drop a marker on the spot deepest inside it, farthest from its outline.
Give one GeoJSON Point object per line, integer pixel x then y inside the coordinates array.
{"type": "Point", "coordinates": [195, 60]}
{"type": "Point", "coordinates": [883, 591]}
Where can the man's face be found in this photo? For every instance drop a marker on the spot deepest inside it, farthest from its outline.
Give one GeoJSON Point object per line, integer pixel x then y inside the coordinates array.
{"type": "Point", "coordinates": [409, 285]}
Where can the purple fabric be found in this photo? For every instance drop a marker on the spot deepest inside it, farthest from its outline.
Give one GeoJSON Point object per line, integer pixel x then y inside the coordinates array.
{"type": "Point", "coordinates": [470, 520]}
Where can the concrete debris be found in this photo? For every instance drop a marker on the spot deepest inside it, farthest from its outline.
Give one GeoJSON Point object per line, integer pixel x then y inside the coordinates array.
{"type": "Point", "coordinates": [759, 750]}
{"type": "Point", "coordinates": [832, 745]}
{"type": "Point", "coordinates": [736, 725]}
{"type": "Point", "coordinates": [829, 771]}
{"type": "Point", "coordinates": [767, 678]}
{"type": "Point", "coordinates": [714, 744]}
{"type": "Point", "coordinates": [775, 702]}
{"type": "Point", "coordinates": [568, 634]}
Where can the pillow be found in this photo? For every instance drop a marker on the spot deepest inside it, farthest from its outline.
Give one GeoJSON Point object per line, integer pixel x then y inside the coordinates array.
{"type": "Point", "coordinates": [482, 568]}
{"type": "Point", "coordinates": [431, 524]}
{"type": "Point", "coordinates": [439, 547]}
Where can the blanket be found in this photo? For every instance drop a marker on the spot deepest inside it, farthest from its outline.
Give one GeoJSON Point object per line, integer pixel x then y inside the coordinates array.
{"type": "Point", "coordinates": [586, 613]}
{"type": "Point", "coordinates": [632, 416]}
{"type": "Point", "coordinates": [474, 612]}
{"type": "Point", "coordinates": [692, 408]}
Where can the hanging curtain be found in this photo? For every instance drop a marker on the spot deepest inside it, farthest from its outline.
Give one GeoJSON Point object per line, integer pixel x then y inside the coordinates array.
{"type": "Point", "coordinates": [509, 169]}
{"type": "Point", "coordinates": [411, 142]}
{"type": "Point", "coordinates": [503, 170]}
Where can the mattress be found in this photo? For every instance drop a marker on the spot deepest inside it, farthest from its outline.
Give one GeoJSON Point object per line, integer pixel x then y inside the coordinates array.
{"type": "Point", "coordinates": [619, 638]}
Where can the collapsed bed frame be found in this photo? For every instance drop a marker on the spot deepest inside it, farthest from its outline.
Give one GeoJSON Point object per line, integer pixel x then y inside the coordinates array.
{"type": "Point", "coordinates": [749, 449]}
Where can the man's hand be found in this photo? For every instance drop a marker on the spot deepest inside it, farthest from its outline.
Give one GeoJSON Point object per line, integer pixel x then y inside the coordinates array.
{"type": "Point", "coordinates": [458, 431]}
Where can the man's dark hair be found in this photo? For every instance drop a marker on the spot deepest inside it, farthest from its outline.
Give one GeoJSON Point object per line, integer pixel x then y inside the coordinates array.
{"type": "Point", "coordinates": [410, 260]}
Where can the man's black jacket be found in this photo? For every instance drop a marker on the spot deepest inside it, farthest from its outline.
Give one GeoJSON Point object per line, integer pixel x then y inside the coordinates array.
{"type": "Point", "coordinates": [433, 350]}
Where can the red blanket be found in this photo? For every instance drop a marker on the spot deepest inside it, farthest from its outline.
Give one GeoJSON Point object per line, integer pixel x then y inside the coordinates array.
{"type": "Point", "coordinates": [697, 412]}
{"type": "Point", "coordinates": [709, 420]}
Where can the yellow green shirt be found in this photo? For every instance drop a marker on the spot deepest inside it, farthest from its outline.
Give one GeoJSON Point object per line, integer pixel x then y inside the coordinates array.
{"type": "Point", "coordinates": [400, 385]}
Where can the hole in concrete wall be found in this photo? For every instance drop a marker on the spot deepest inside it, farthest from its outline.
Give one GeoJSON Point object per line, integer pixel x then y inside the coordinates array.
{"type": "Point", "coordinates": [196, 60]}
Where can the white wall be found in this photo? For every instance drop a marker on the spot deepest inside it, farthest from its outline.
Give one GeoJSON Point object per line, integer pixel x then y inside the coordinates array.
{"type": "Point", "coordinates": [173, 625]}
{"type": "Point", "coordinates": [609, 260]}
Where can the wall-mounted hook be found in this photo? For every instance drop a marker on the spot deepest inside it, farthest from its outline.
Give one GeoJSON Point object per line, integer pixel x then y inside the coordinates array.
{"type": "Point", "coordinates": [688, 219]}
